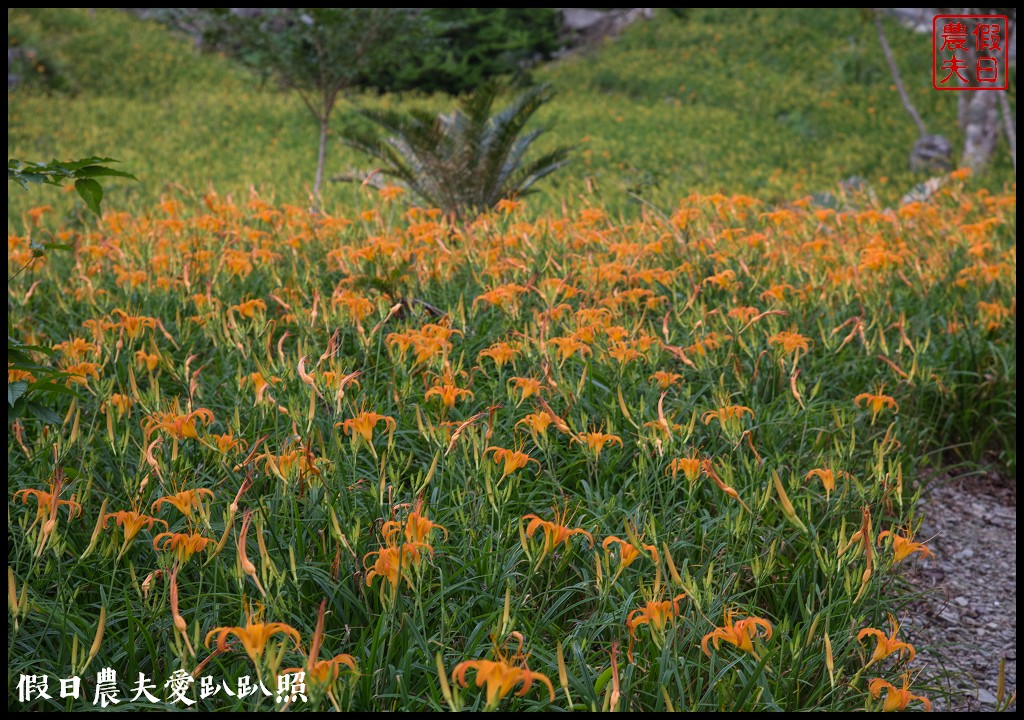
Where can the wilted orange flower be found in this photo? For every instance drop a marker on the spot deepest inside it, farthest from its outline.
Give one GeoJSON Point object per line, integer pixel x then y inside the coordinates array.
{"type": "Point", "coordinates": [555, 532]}
{"type": "Point", "coordinates": [513, 459]}
{"type": "Point", "coordinates": [364, 424]}
{"type": "Point", "coordinates": [904, 546]}
{"type": "Point", "coordinates": [656, 614]}
{"type": "Point", "coordinates": [886, 645]}
{"type": "Point", "coordinates": [502, 674]}
{"type": "Point", "coordinates": [877, 402]}
{"type": "Point", "coordinates": [597, 440]}
{"type": "Point", "coordinates": [183, 545]}
{"type": "Point", "coordinates": [739, 633]}
{"type": "Point", "coordinates": [896, 698]}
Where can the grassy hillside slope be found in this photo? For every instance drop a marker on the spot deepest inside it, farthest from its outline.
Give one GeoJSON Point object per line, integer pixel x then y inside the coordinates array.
{"type": "Point", "coordinates": [754, 101]}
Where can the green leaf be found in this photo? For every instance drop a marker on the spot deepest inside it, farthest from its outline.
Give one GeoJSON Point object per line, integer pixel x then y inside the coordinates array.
{"type": "Point", "coordinates": [91, 192]}
{"type": "Point", "coordinates": [100, 171]}
{"type": "Point", "coordinates": [59, 246]}
{"type": "Point", "coordinates": [41, 412]}
{"type": "Point", "coordinates": [15, 390]}
{"type": "Point", "coordinates": [16, 410]}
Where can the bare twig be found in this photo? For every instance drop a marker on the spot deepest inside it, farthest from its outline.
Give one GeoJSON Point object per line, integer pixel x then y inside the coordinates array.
{"type": "Point", "coordinates": [896, 78]}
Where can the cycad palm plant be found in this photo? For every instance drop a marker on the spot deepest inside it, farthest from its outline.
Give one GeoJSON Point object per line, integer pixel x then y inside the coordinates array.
{"type": "Point", "coordinates": [466, 161]}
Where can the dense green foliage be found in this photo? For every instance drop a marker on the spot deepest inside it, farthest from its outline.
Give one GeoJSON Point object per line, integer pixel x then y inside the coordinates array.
{"type": "Point", "coordinates": [467, 47]}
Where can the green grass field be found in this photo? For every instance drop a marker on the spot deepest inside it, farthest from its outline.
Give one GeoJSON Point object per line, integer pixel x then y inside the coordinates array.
{"type": "Point", "coordinates": [581, 452]}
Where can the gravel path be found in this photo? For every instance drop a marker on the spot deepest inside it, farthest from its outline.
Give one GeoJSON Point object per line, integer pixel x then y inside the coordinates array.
{"type": "Point", "coordinates": [967, 619]}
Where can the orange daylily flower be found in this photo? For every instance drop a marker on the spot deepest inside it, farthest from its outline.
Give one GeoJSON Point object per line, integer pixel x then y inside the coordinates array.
{"type": "Point", "coordinates": [183, 545]}
{"type": "Point", "coordinates": [886, 645]}
{"type": "Point", "coordinates": [513, 459]}
{"type": "Point", "coordinates": [501, 353]}
{"type": "Point", "coordinates": [527, 386]}
{"type": "Point", "coordinates": [740, 633]}
{"type": "Point", "coordinates": [254, 637]}
{"type": "Point", "coordinates": [827, 477]}
{"type": "Point", "coordinates": [597, 440]}
{"type": "Point", "coordinates": [248, 308]}
{"type": "Point", "coordinates": [569, 346]}
{"type": "Point", "coordinates": [79, 373]}
{"type": "Point", "coordinates": [364, 424]}
{"type": "Point", "coordinates": [904, 546]}
{"type": "Point", "coordinates": [417, 528]}
{"type": "Point", "coordinates": [657, 614]}
{"type": "Point", "coordinates": [628, 552]}
{"type": "Point", "coordinates": [228, 441]}
{"type": "Point", "coordinates": [260, 385]}
{"type": "Point", "coordinates": [147, 360]}
{"type": "Point", "coordinates": [131, 523]}
{"type": "Point", "coordinates": [790, 342]}
{"type": "Point", "coordinates": [179, 426]}
{"type": "Point", "coordinates": [727, 415]}
{"type": "Point", "coordinates": [665, 379]}
{"type": "Point", "coordinates": [501, 675]}
{"type": "Point", "coordinates": [132, 325]}
{"type": "Point", "coordinates": [877, 402]}
{"type": "Point", "coordinates": [555, 532]}
{"type": "Point", "coordinates": [122, 404]}
{"type": "Point", "coordinates": [691, 467]}
{"type": "Point", "coordinates": [537, 422]}
{"type": "Point", "coordinates": [394, 562]}
{"type": "Point", "coordinates": [448, 392]}
{"type": "Point", "coordinates": [321, 674]}
{"type": "Point", "coordinates": [896, 698]}
{"type": "Point", "coordinates": [49, 502]}
{"type": "Point", "coordinates": [186, 501]}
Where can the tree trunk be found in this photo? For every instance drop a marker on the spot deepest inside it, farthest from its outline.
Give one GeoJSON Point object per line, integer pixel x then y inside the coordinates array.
{"type": "Point", "coordinates": [320, 156]}
{"type": "Point", "coordinates": [978, 114]}
{"type": "Point", "coordinates": [1010, 125]}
